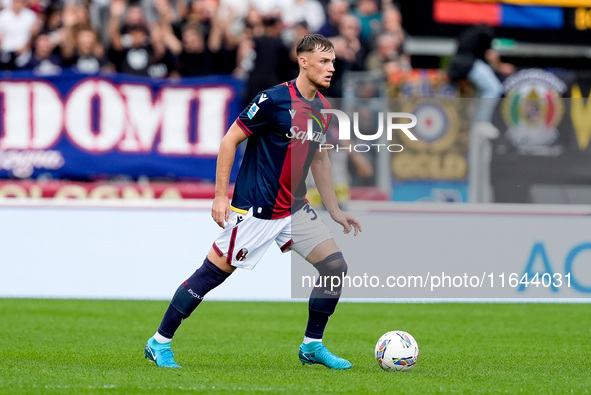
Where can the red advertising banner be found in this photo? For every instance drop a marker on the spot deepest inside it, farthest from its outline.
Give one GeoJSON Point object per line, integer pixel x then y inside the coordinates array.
{"type": "Point", "coordinates": [104, 190]}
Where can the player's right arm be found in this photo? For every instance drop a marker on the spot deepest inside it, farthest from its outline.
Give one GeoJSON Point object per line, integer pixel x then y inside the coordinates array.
{"type": "Point", "coordinates": [220, 210]}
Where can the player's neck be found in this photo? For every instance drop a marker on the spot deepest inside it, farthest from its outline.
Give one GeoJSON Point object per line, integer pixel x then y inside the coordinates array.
{"type": "Point", "coordinates": [306, 88]}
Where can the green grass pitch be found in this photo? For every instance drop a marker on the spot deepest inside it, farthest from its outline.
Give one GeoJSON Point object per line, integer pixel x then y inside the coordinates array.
{"type": "Point", "coordinates": [95, 346]}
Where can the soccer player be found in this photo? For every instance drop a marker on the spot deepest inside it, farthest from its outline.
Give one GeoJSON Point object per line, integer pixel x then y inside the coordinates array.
{"type": "Point", "coordinates": [269, 202]}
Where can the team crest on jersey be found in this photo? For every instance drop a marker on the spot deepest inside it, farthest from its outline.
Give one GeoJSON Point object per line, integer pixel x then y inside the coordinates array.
{"type": "Point", "coordinates": [252, 111]}
{"type": "Point", "coordinates": [241, 255]}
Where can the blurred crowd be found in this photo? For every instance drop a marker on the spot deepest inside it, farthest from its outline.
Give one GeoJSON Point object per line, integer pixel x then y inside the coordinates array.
{"type": "Point", "coordinates": [252, 39]}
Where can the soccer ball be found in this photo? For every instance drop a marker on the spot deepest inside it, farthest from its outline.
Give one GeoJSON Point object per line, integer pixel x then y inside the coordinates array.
{"type": "Point", "coordinates": [397, 350]}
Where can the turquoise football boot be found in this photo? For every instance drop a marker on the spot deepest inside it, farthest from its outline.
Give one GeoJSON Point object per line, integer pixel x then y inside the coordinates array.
{"type": "Point", "coordinates": [160, 353]}
{"type": "Point", "coordinates": [315, 352]}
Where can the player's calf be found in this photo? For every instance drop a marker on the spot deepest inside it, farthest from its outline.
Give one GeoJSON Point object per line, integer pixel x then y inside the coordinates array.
{"type": "Point", "coordinates": [189, 295]}
{"type": "Point", "coordinates": [185, 300]}
{"type": "Point", "coordinates": [323, 302]}
{"type": "Point", "coordinates": [325, 296]}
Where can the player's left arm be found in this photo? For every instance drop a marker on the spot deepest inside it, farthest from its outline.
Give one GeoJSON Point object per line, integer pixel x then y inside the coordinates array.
{"type": "Point", "coordinates": [322, 173]}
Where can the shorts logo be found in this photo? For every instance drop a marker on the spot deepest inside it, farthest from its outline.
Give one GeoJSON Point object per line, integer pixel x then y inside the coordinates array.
{"type": "Point", "coordinates": [239, 219]}
{"type": "Point", "coordinates": [252, 110]}
{"type": "Point", "coordinates": [241, 255]}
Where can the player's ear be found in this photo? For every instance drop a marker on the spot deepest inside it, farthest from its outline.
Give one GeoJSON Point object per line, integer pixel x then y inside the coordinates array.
{"type": "Point", "coordinates": [303, 61]}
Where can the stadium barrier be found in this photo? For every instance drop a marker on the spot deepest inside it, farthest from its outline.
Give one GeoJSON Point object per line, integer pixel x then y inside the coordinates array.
{"type": "Point", "coordinates": [143, 249]}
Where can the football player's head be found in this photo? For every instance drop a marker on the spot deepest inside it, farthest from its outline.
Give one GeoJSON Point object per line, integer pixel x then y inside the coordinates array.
{"type": "Point", "coordinates": [316, 58]}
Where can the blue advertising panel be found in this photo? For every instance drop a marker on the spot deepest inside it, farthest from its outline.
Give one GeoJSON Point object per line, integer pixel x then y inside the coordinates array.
{"type": "Point", "coordinates": [81, 127]}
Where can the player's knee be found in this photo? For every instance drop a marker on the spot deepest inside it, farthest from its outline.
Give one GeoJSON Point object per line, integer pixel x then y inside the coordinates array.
{"type": "Point", "coordinates": [220, 261]}
{"type": "Point", "coordinates": [325, 297]}
{"type": "Point", "coordinates": [341, 267]}
{"type": "Point", "coordinates": [332, 265]}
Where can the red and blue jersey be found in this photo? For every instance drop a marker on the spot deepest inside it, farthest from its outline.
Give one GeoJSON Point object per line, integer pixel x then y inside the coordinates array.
{"type": "Point", "coordinates": [272, 176]}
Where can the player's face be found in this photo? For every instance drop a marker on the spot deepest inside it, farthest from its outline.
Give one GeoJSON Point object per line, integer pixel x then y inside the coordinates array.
{"type": "Point", "coordinates": [320, 67]}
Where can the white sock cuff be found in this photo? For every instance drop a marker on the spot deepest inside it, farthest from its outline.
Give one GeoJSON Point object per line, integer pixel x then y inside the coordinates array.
{"type": "Point", "coordinates": [161, 339]}
{"type": "Point", "coordinates": [310, 340]}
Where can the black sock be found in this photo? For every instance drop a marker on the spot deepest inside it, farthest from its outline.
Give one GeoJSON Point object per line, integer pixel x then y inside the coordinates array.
{"type": "Point", "coordinates": [323, 299]}
{"type": "Point", "coordinates": [189, 295]}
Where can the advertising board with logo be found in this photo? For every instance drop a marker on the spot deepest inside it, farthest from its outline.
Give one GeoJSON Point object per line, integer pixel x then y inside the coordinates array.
{"type": "Point", "coordinates": [435, 167]}
{"type": "Point", "coordinates": [78, 127]}
{"type": "Point", "coordinates": [542, 155]}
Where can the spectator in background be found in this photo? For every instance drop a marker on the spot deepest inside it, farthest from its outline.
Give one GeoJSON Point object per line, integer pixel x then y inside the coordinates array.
{"type": "Point", "coordinates": [245, 54]}
{"type": "Point", "coordinates": [387, 56]}
{"type": "Point", "coordinates": [99, 18]}
{"type": "Point", "coordinates": [130, 50]}
{"type": "Point", "coordinates": [84, 53]}
{"type": "Point", "coordinates": [342, 63]}
{"type": "Point", "coordinates": [370, 18]}
{"type": "Point", "coordinates": [336, 10]}
{"type": "Point", "coordinates": [151, 10]}
{"type": "Point", "coordinates": [309, 11]}
{"type": "Point", "coordinates": [254, 23]}
{"type": "Point", "coordinates": [300, 30]}
{"type": "Point", "coordinates": [76, 15]}
{"type": "Point", "coordinates": [195, 58]}
{"type": "Point", "coordinates": [79, 44]}
{"type": "Point", "coordinates": [470, 61]}
{"type": "Point", "coordinates": [162, 61]}
{"type": "Point", "coordinates": [37, 6]}
{"type": "Point", "coordinates": [392, 21]}
{"type": "Point", "coordinates": [43, 61]}
{"type": "Point", "coordinates": [18, 25]}
{"type": "Point", "coordinates": [235, 11]}
{"type": "Point", "coordinates": [239, 7]}
{"type": "Point", "coordinates": [268, 8]}
{"type": "Point", "coordinates": [134, 14]}
{"type": "Point", "coordinates": [200, 13]}
{"type": "Point", "coordinates": [222, 41]}
{"type": "Point", "coordinates": [355, 49]}
{"type": "Point", "coordinates": [209, 44]}
{"type": "Point", "coordinates": [271, 57]}
{"type": "Point", "coordinates": [53, 25]}
{"type": "Point", "coordinates": [132, 56]}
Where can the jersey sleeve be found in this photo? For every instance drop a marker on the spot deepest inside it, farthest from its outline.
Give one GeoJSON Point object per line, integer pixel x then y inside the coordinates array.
{"type": "Point", "coordinates": [258, 115]}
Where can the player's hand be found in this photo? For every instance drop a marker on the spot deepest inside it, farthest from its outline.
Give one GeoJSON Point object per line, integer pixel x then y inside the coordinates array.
{"type": "Point", "coordinates": [348, 222]}
{"type": "Point", "coordinates": [220, 211]}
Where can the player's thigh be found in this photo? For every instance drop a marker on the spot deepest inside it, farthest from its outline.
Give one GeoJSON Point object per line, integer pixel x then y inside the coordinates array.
{"type": "Point", "coordinates": [246, 239]}
{"type": "Point", "coordinates": [311, 237]}
{"type": "Point", "coordinates": [220, 261]}
{"type": "Point", "coordinates": [322, 250]}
